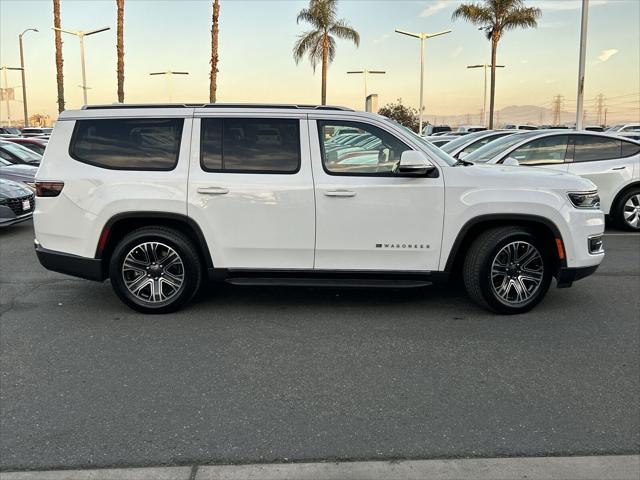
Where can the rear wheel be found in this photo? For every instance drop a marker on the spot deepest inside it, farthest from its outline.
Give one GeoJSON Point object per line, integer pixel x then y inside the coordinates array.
{"type": "Point", "coordinates": [627, 211]}
{"type": "Point", "coordinates": [155, 270]}
{"type": "Point", "coordinates": [507, 270]}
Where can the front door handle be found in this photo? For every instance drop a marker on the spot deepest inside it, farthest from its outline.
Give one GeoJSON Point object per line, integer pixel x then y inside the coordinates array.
{"type": "Point", "coordinates": [619, 168]}
{"type": "Point", "coordinates": [340, 193]}
{"type": "Point", "coordinates": [213, 190]}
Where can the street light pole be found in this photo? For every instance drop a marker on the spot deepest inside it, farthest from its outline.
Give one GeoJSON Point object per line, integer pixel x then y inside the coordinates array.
{"type": "Point", "coordinates": [24, 84]}
{"type": "Point", "coordinates": [4, 69]}
{"type": "Point", "coordinates": [484, 101]}
{"type": "Point", "coordinates": [169, 74]}
{"type": "Point", "coordinates": [422, 37]}
{"type": "Point", "coordinates": [81, 34]}
{"type": "Point", "coordinates": [583, 50]}
{"type": "Point", "coordinates": [366, 72]}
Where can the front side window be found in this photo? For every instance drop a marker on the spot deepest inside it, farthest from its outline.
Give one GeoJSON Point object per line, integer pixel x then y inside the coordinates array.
{"type": "Point", "coordinates": [592, 148]}
{"type": "Point", "coordinates": [543, 151]}
{"type": "Point", "coordinates": [250, 145]}
{"type": "Point", "coordinates": [370, 151]}
{"type": "Point", "coordinates": [128, 144]}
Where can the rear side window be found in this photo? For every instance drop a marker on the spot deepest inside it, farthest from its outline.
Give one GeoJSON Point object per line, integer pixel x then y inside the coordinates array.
{"type": "Point", "coordinates": [543, 151]}
{"type": "Point", "coordinates": [128, 144]}
{"type": "Point", "coordinates": [588, 148]}
{"type": "Point", "coordinates": [629, 149]}
{"type": "Point", "coordinates": [250, 145]}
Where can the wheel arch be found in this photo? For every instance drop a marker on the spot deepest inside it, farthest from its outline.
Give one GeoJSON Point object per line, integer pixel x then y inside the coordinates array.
{"type": "Point", "coordinates": [542, 226]}
{"type": "Point", "coordinates": [119, 225]}
{"type": "Point", "coordinates": [623, 191]}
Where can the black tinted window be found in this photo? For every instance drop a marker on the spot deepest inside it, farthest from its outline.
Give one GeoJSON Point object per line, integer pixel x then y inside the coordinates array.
{"type": "Point", "coordinates": [244, 145]}
{"type": "Point", "coordinates": [132, 144]}
{"type": "Point", "coordinates": [590, 148]}
{"type": "Point", "coordinates": [629, 149]}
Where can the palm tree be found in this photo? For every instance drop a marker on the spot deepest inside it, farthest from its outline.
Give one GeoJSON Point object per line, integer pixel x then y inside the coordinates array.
{"type": "Point", "coordinates": [319, 43]}
{"type": "Point", "coordinates": [495, 17]}
{"type": "Point", "coordinates": [213, 87]}
{"type": "Point", "coordinates": [59, 75]}
{"type": "Point", "coordinates": [120, 50]}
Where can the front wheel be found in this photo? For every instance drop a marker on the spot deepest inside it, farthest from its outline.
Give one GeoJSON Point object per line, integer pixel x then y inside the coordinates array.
{"type": "Point", "coordinates": [155, 270]}
{"type": "Point", "coordinates": [507, 270]}
{"type": "Point", "coordinates": [627, 212]}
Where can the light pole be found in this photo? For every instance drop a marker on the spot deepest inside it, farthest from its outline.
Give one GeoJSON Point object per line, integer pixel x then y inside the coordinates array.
{"type": "Point", "coordinates": [24, 84]}
{"type": "Point", "coordinates": [484, 101]}
{"type": "Point", "coordinates": [81, 34]}
{"type": "Point", "coordinates": [170, 74]}
{"type": "Point", "coordinates": [4, 69]}
{"type": "Point", "coordinates": [366, 73]}
{"type": "Point", "coordinates": [422, 37]}
{"type": "Point", "coordinates": [583, 50]}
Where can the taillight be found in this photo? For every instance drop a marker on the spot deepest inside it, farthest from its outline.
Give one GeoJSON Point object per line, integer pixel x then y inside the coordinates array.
{"type": "Point", "coordinates": [48, 189]}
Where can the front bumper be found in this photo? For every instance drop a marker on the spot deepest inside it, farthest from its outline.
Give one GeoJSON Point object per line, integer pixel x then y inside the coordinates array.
{"type": "Point", "coordinates": [83, 267]}
{"type": "Point", "coordinates": [566, 275]}
{"type": "Point", "coordinates": [5, 222]}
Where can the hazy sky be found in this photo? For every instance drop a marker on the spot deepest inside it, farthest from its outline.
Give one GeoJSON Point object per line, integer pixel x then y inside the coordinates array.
{"type": "Point", "coordinates": [256, 64]}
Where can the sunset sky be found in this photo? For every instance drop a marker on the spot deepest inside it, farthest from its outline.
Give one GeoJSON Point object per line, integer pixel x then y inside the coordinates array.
{"type": "Point", "coordinates": [256, 63]}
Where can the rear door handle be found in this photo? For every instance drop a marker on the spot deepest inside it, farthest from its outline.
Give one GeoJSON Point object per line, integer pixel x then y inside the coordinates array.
{"type": "Point", "coordinates": [213, 190]}
{"type": "Point", "coordinates": [340, 193]}
{"type": "Point", "coordinates": [619, 168]}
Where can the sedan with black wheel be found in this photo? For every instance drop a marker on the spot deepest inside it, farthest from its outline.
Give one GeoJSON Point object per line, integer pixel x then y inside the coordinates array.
{"type": "Point", "coordinates": [611, 162]}
{"type": "Point", "coordinates": [16, 202]}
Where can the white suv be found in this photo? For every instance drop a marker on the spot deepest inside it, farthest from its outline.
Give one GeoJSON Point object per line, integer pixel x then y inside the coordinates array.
{"type": "Point", "coordinates": [158, 198]}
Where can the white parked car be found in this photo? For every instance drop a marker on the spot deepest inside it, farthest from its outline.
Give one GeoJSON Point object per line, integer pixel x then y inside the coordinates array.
{"type": "Point", "coordinates": [463, 146]}
{"type": "Point", "coordinates": [471, 128]}
{"type": "Point", "coordinates": [158, 198]}
{"type": "Point", "coordinates": [612, 163]}
{"type": "Point", "coordinates": [517, 126]}
{"type": "Point", "coordinates": [624, 128]}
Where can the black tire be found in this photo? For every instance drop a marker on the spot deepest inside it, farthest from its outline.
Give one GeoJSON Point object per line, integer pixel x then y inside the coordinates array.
{"type": "Point", "coordinates": [477, 268]}
{"type": "Point", "coordinates": [619, 210]}
{"type": "Point", "coordinates": [189, 270]}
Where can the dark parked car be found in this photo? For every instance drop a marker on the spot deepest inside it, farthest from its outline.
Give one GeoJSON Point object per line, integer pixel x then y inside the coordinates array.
{"type": "Point", "coordinates": [18, 172]}
{"type": "Point", "coordinates": [16, 202]}
{"type": "Point", "coordinates": [9, 132]}
{"type": "Point", "coordinates": [36, 131]}
{"type": "Point", "coordinates": [14, 153]}
{"type": "Point", "coordinates": [35, 144]}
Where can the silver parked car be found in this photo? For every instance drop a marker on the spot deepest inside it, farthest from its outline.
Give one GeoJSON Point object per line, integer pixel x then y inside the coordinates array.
{"type": "Point", "coordinates": [463, 146]}
{"type": "Point", "coordinates": [611, 162]}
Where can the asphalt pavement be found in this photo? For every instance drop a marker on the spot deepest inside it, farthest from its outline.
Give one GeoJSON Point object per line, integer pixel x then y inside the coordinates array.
{"type": "Point", "coordinates": [250, 375]}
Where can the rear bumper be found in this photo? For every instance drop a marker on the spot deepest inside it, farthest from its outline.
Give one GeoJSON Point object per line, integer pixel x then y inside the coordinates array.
{"type": "Point", "coordinates": [566, 276]}
{"type": "Point", "coordinates": [83, 267]}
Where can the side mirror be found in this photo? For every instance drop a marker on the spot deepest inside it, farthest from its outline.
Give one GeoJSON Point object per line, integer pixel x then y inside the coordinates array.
{"type": "Point", "coordinates": [413, 161]}
{"type": "Point", "coordinates": [461, 155]}
{"type": "Point", "coordinates": [511, 162]}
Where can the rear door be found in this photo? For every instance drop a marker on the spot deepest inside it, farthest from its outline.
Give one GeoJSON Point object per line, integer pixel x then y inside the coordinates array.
{"type": "Point", "coordinates": [607, 162]}
{"type": "Point", "coordinates": [251, 188]}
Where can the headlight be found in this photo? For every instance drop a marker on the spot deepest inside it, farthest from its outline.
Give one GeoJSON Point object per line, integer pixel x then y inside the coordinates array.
{"type": "Point", "coordinates": [585, 199]}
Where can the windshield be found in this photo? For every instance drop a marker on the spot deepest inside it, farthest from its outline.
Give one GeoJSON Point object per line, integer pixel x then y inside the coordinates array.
{"type": "Point", "coordinates": [491, 149]}
{"type": "Point", "coordinates": [445, 157]}
{"type": "Point", "coordinates": [461, 141]}
{"type": "Point", "coordinates": [21, 152]}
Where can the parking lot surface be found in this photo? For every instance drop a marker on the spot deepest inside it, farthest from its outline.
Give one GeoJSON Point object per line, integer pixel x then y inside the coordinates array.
{"type": "Point", "coordinates": [276, 374]}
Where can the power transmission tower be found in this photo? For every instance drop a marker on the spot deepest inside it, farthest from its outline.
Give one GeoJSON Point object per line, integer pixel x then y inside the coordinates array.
{"type": "Point", "coordinates": [606, 110]}
{"type": "Point", "coordinates": [600, 107]}
{"type": "Point", "coordinates": [558, 100]}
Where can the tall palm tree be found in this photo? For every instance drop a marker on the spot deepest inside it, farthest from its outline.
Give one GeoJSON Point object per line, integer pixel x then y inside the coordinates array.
{"type": "Point", "coordinates": [495, 17]}
{"type": "Point", "coordinates": [120, 50]}
{"type": "Point", "coordinates": [319, 43]}
{"type": "Point", "coordinates": [59, 75]}
{"type": "Point", "coordinates": [213, 87]}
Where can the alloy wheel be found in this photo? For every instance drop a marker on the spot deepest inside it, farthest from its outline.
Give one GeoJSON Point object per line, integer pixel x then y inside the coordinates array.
{"type": "Point", "coordinates": [631, 211]}
{"type": "Point", "coordinates": [517, 272]}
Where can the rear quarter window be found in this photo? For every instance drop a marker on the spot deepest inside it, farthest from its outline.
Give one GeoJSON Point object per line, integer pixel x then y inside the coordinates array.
{"type": "Point", "coordinates": [128, 144]}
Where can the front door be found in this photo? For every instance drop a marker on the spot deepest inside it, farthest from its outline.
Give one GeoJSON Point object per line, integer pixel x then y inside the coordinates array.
{"type": "Point", "coordinates": [369, 216]}
{"type": "Point", "coordinates": [251, 189]}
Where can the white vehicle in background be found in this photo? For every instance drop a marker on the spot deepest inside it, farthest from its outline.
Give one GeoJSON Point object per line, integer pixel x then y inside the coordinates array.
{"type": "Point", "coordinates": [36, 131]}
{"type": "Point", "coordinates": [624, 128]}
{"type": "Point", "coordinates": [159, 198]}
{"type": "Point", "coordinates": [470, 128]}
{"type": "Point", "coordinates": [517, 126]}
{"type": "Point", "coordinates": [463, 146]}
{"type": "Point", "coordinates": [612, 163]}
{"type": "Point", "coordinates": [435, 129]}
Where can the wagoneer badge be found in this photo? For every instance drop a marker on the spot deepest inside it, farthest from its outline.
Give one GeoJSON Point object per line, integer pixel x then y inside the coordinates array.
{"type": "Point", "coordinates": [415, 246]}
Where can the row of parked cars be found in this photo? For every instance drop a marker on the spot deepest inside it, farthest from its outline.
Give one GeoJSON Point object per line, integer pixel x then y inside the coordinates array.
{"type": "Point", "coordinates": [609, 159]}
{"type": "Point", "coordinates": [20, 154]}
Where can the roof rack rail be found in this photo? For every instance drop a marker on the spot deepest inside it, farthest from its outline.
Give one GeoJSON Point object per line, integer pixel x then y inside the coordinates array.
{"type": "Point", "coordinates": [216, 105]}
